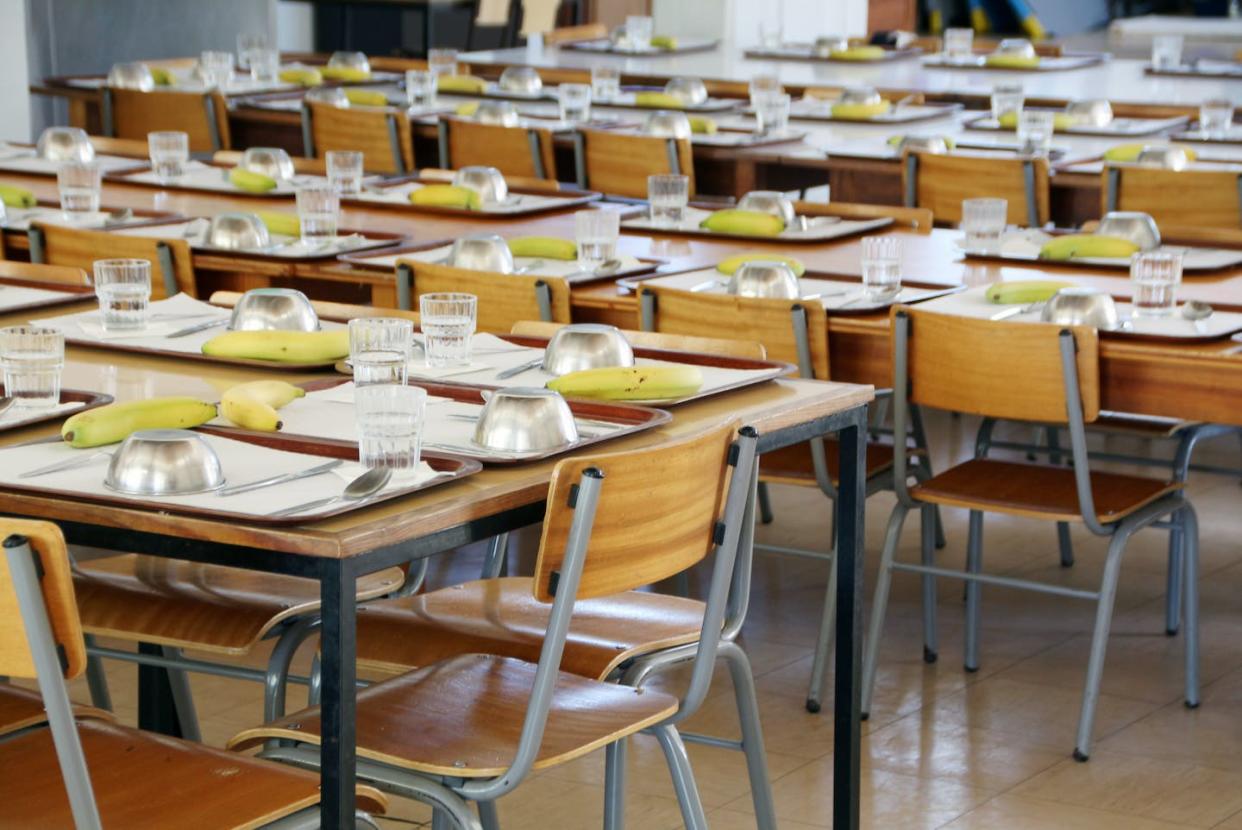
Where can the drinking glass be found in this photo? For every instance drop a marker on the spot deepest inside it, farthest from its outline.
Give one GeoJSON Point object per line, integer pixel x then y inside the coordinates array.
{"type": "Point", "coordinates": [345, 171]}
{"type": "Point", "coordinates": [32, 360]}
{"type": "Point", "coordinates": [575, 101]}
{"type": "Point", "coordinates": [379, 349]}
{"type": "Point", "coordinates": [1155, 275]}
{"type": "Point", "coordinates": [881, 266]}
{"type": "Point", "coordinates": [123, 287]}
{"type": "Point", "coordinates": [668, 195]}
{"type": "Point", "coordinates": [447, 321]}
{"type": "Point", "coordinates": [389, 419]}
{"type": "Point", "coordinates": [247, 44]}
{"type": "Point", "coordinates": [420, 88]}
{"type": "Point", "coordinates": [442, 61]}
{"type": "Point", "coordinates": [983, 220]}
{"type": "Point", "coordinates": [1166, 52]}
{"type": "Point", "coordinates": [1035, 132]}
{"type": "Point", "coordinates": [170, 151]}
{"type": "Point", "coordinates": [596, 231]}
{"type": "Point", "coordinates": [217, 67]}
{"type": "Point", "coordinates": [772, 112]}
{"type": "Point", "coordinates": [638, 29]}
{"type": "Point", "coordinates": [605, 82]}
{"type": "Point", "coordinates": [78, 183]}
{"type": "Point", "coordinates": [771, 32]}
{"type": "Point", "coordinates": [1216, 117]}
{"type": "Point", "coordinates": [264, 65]}
{"type": "Point", "coordinates": [959, 45]}
{"type": "Point", "coordinates": [762, 85]}
{"type": "Point", "coordinates": [1006, 98]}
{"type": "Point", "coordinates": [318, 207]}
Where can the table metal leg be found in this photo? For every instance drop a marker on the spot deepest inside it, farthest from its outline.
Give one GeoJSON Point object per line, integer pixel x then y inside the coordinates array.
{"type": "Point", "coordinates": [847, 704]}
{"type": "Point", "coordinates": [157, 711]}
{"type": "Point", "coordinates": [338, 754]}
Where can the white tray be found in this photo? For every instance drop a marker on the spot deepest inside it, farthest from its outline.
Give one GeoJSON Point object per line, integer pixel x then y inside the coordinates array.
{"type": "Point", "coordinates": [820, 229]}
{"type": "Point", "coordinates": [1117, 128]}
{"type": "Point", "coordinates": [199, 176]}
{"type": "Point", "coordinates": [1024, 245]}
{"type": "Point", "coordinates": [548, 267]}
{"type": "Point", "coordinates": [281, 247]}
{"type": "Point", "coordinates": [22, 159]}
{"type": "Point", "coordinates": [810, 109]}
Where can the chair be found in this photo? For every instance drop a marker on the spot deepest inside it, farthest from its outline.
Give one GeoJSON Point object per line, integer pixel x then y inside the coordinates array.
{"type": "Point", "coordinates": [1193, 198]}
{"type": "Point", "coordinates": [941, 182]}
{"type": "Point", "coordinates": [751, 349]}
{"type": "Point", "coordinates": [966, 365]}
{"type": "Point", "coordinates": [503, 298]}
{"type": "Point", "coordinates": [301, 164]}
{"type": "Point", "coordinates": [473, 725]}
{"type": "Point", "coordinates": [51, 274]}
{"type": "Point", "coordinates": [171, 263]}
{"type": "Point", "coordinates": [619, 163]}
{"type": "Point", "coordinates": [575, 34]}
{"type": "Point", "coordinates": [91, 773]}
{"type": "Point", "coordinates": [381, 134]}
{"type": "Point", "coordinates": [515, 182]}
{"type": "Point", "coordinates": [204, 116]}
{"type": "Point", "coordinates": [918, 219]}
{"type": "Point", "coordinates": [514, 151]}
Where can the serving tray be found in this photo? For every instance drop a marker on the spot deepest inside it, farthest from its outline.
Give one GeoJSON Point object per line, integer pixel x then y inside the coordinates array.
{"type": "Point", "coordinates": [1023, 246]}
{"type": "Point", "coordinates": [815, 109]}
{"type": "Point", "coordinates": [1192, 133]}
{"type": "Point", "coordinates": [72, 401]}
{"type": "Point", "coordinates": [1231, 70]}
{"type": "Point", "coordinates": [283, 248]}
{"type": "Point", "coordinates": [1117, 128]}
{"type": "Point", "coordinates": [105, 219]}
{"type": "Point", "coordinates": [806, 52]}
{"type": "Point", "coordinates": [21, 295]}
{"type": "Point", "coordinates": [606, 47]}
{"type": "Point", "coordinates": [819, 229]}
{"type": "Point", "coordinates": [1047, 63]}
{"type": "Point", "coordinates": [209, 177]}
{"type": "Point", "coordinates": [22, 158]}
{"type": "Point", "coordinates": [394, 193]}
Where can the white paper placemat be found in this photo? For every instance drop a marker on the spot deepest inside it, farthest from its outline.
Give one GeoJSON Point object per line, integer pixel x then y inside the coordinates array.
{"type": "Point", "coordinates": [399, 194]}
{"type": "Point", "coordinates": [1024, 246]}
{"type": "Point", "coordinates": [833, 295]}
{"type": "Point", "coordinates": [19, 296]}
{"type": "Point", "coordinates": [199, 176]}
{"type": "Point", "coordinates": [819, 228]}
{"type": "Point", "coordinates": [24, 160]}
{"type": "Point", "coordinates": [1119, 127]}
{"type": "Point", "coordinates": [19, 219]}
{"type": "Point", "coordinates": [194, 231]}
{"type": "Point", "coordinates": [539, 267]}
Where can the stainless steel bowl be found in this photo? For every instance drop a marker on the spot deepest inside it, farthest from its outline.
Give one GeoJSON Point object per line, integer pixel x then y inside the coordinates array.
{"type": "Point", "coordinates": [237, 230]}
{"type": "Point", "coordinates": [133, 75]}
{"type": "Point", "coordinates": [1168, 156]}
{"type": "Point", "coordinates": [1077, 306]}
{"type": "Point", "coordinates": [200, 76]}
{"type": "Point", "coordinates": [274, 309]}
{"type": "Point", "coordinates": [1016, 46]}
{"type": "Point", "coordinates": [164, 462]}
{"type": "Point", "coordinates": [1137, 227]}
{"type": "Point", "coordinates": [935, 144]}
{"type": "Point", "coordinates": [65, 144]}
{"type": "Point", "coordinates": [825, 46]}
{"type": "Point", "coordinates": [586, 346]}
{"type": "Point", "coordinates": [500, 113]}
{"type": "Point", "coordinates": [482, 252]}
{"type": "Point", "coordinates": [759, 278]}
{"type": "Point", "coordinates": [350, 60]}
{"type": "Point", "coordinates": [860, 95]}
{"type": "Point", "coordinates": [1093, 113]}
{"type": "Point", "coordinates": [488, 182]}
{"type": "Point", "coordinates": [690, 91]}
{"type": "Point", "coordinates": [620, 37]}
{"type": "Point", "coordinates": [667, 124]}
{"type": "Point", "coordinates": [332, 95]}
{"type": "Point", "coordinates": [770, 201]}
{"type": "Point", "coordinates": [273, 162]}
{"type": "Point", "coordinates": [520, 79]}
{"type": "Point", "coordinates": [525, 419]}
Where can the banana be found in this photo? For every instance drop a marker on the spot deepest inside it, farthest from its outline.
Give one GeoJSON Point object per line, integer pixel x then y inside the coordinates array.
{"type": "Point", "coordinates": [162, 76]}
{"type": "Point", "coordinates": [15, 196]}
{"type": "Point", "coordinates": [1023, 291]}
{"type": "Point", "coordinates": [284, 224]}
{"type": "Point", "coordinates": [281, 346]}
{"type": "Point", "coordinates": [1087, 245]}
{"type": "Point", "coordinates": [253, 405]}
{"type": "Point", "coordinates": [544, 247]}
{"type": "Point", "coordinates": [304, 75]}
{"type": "Point", "coordinates": [664, 42]}
{"type": "Point", "coordinates": [895, 141]}
{"type": "Point", "coordinates": [1131, 152]}
{"type": "Point", "coordinates": [1060, 121]}
{"type": "Point", "coordinates": [1013, 61]}
{"type": "Point", "coordinates": [630, 383]}
{"type": "Point", "coordinates": [117, 421]}
{"type": "Point", "coordinates": [345, 73]}
{"type": "Point", "coordinates": [467, 110]}
{"type": "Point", "coordinates": [702, 125]}
{"type": "Point", "coordinates": [728, 266]}
{"type": "Point", "coordinates": [367, 97]}
{"type": "Point", "coordinates": [860, 112]}
{"type": "Point", "coordinates": [659, 100]}
{"type": "Point", "coordinates": [744, 223]}
{"type": "Point", "coordinates": [469, 84]}
{"type": "Point", "coordinates": [446, 195]}
{"type": "Point", "coordinates": [251, 181]}
{"type": "Point", "coordinates": [858, 53]}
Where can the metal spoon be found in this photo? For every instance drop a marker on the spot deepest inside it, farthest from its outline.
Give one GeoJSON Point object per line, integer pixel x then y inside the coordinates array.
{"type": "Point", "coordinates": [520, 368]}
{"type": "Point", "coordinates": [360, 489]}
{"type": "Point", "coordinates": [530, 266]}
{"type": "Point", "coordinates": [280, 479]}
{"type": "Point", "coordinates": [117, 217]}
{"type": "Point", "coordinates": [605, 268]}
{"type": "Point", "coordinates": [1196, 311]}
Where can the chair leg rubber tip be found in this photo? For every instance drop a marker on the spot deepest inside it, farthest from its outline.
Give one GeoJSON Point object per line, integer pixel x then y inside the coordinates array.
{"type": "Point", "coordinates": [1171, 632]}
{"type": "Point", "coordinates": [1080, 756]}
{"type": "Point", "coordinates": [864, 716]}
{"type": "Point", "coordinates": [930, 655]}
{"type": "Point", "coordinates": [970, 669]}
{"type": "Point", "coordinates": [812, 705]}
{"type": "Point", "coordinates": [1191, 704]}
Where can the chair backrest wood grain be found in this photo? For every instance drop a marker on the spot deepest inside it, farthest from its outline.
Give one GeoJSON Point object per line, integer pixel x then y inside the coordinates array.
{"type": "Point", "coordinates": [750, 349]}
{"type": "Point", "coordinates": [619, 163]}
{"type": "Point", "coordinates": [941, 182]}
{"type": "Point", "coordinates": [916, 218]}
{"type": "Point", "coordinates": [572, 34]}
{"type": "Point", "coordinates": [52, 274]}
{"type": "Point", "coordinates": [325, 309]}
{"type": "Point", "coordinates": [203, 116]}
{"type": "Point", "coordinates": [998, 369]}
{"type": "Point", "coordinates": [48, 544]}
{"type": "Point", "coordinates": [503, 298]}
{"type": "Point", "coordinates": [81, 248]}
{"type": "Point", "coordinates": [656, 516]}
{"type": "Point", "coordinates": [127, 147]}
{"type": "Point", "coordinates": [381, 134]}
{"type": "Point", "coordinates": [514, 151]}
{"type": "Point", "coordinates": [1182, 198]}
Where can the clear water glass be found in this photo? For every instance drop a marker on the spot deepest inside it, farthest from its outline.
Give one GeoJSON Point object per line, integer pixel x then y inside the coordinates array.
{"type": "Point", "coordinates": [772, 112]}
{"type": "Point", "coordinates": [959, 45]}
{"type": "Point", "coordinates": [32, 359]}
{"type": "Point", "coordinates": [319, 206]}
{"type": "Point", "coordinates": [605, 82]}
{"type": "Point", "coordinates": [448, 322]}
{"type": "Point", "coordinates": [1155, 275]}
{"type": "Point", "coordinates": [1216, 117]}
{"type": "Point", "coordinates": [247, 44]}
{"type": "Point", "coordinates": [596, 232]}
{"type": "Point", "coordinates": [345, 171]}
{"type": "Point", "coordinates": [123, 287]}
{"type": "Point", "coordinates": [1007, 98]}
{"type": "Point", "coordinates": [379, 349]}
{"type": "Point", "coordinates": [668, 196]}
{"type": "Point", "coordinates": [389, 419]}
{"type": "Point", "coordinates": [771, 32]}
{"type": "Point", "coordinates": [638, 29]}
{"type": "Point", "coordinates": [264, 65]}
{"type": "Point", "coordinates": [762, 85]}
{"type": "Point", "coordinates": [575, 102]}
{"type": "Point", "coordinates": [442, 61]}
{"type": "Point", "coordinates": [217, 68]}
{"type": "Point", "coordinates": [1035, 132]}
{"type": "Point", "coordinates": [420, 88]}
{"type": "Point", "coordinates": [983, 221]}
{"type": "Point", "coordinates": [1166, 52]}
{"type": "Point", "coordinates": [78, 183]}
{"type": "Point", "coordinates": [170, 152]}
{"type": "Point", "coordinates": [881, 266]}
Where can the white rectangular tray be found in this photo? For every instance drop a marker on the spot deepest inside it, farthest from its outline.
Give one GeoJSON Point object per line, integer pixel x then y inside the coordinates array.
{"type": "Point", "coordinates": [820, 228]}
{"type": "Point", "coordinates": [1024, 245]}
{"type": "Point", "coordinates": [1117, 128]}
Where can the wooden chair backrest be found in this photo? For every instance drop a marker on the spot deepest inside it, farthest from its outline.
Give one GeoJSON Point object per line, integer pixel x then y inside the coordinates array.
{"type": "Point", "coordinates": [918, 219]}
{"type": "Point", "coordinates": [135, 113]}
{"type": "Point", "coordinates": [657, 513]}
{"type": "Point", "coordinates": [48, 544]}
{"type": "Point", "coordinates": [619, 163]}
{"type": "Point", "coordinates": [80, 248]}
{"type": "Point", "coordinates": [941, 182]}
{"type": "Point", "coordinates": [503, 298]}
{"type": "Point", "coordinates": [749, 349]}
{"type": "Point", "coordinates": [571, 34]}
{"type": "Point", "coordinates": [514, 182]}
{"type": "Point", "coordinates": [514, 151]}
{"type": "Point", "coordinates": [998, 369]}
{"type": "Point", "coordinates": [1182, 198]}
{"type": "Point", "coordinates": [326, 309]}
{"type": "Point", "coordinates": [128, 147]}
{"type": "Point", "coordinates": [52, 274]}
{"type": "Point", "coordinates": [302, 164]}
{"type": "Point", "coordinates": [751, 319]}
{"type": "Point", "coordinates": [366, 129]}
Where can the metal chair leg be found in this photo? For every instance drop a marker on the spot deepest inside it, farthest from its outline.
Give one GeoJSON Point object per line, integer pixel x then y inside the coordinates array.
{"type": "Point", "coordinates": [488, 816]}
{"type": "Point", "coordinates": [752, 734]}
{"type": "Point", "coordinates": [97, 679]}
{"type": "Point", "coordinates": [183, 698]}
{"type": "Point", "coordinates": [879, 604]}
{"type": "Point", "coordinates": [1190, 555]}
{"type": "Point", "coordinates": [823, 641]}
{"type": "Point", "coordinates": [1099, 642]}
{"type": "Point", "coordinates": [919, 432]}
{"type": "Point", "coordinates": [497, 556]}
{"type": "Point", "coordinates": [1173, 580]}
{"type": "Point", "coordinates": [276, 685]}
{"type": "Point", "coordinates": [974, 563]}
{"type": "Point", "coordinates": [1065, 544]}
{"type": "Point", "coordinates": [614, 785]}
{"type": "Point", "coordinates": [315, 687]}
{"type": "Point", "coordinates": [931, 644]}
{"type": "Point", "coordinates": [692, 814]}
{"type": "Point", "coordinates": [440, 820]}
{"type": "Point", "coordinates": [765, 504]}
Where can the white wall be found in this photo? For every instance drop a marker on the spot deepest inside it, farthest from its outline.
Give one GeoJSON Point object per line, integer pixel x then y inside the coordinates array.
{"type": "Point", "coordinates": [295, 26]}
{"type": "Point", "coordinates": [14, 91]}
{"type": "Point", "coordinates": [738, 20]}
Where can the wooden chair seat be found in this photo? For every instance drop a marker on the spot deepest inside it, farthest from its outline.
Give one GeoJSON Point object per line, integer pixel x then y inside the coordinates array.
{"type": "Point", "coordinates": [463, 717]}
{"type": "Point", "coordinates": [792, 465]}
{"type": "Point", "coordinates": [21, 708]}
{"type": "Point", "coordinates": [1142, 426]}
{"type": "Point", "coordinates": [191, 605]}
{"type": "Point", "coordinates": [500, 616]}
{"type": "Point", "coordinates": [1037, 491]}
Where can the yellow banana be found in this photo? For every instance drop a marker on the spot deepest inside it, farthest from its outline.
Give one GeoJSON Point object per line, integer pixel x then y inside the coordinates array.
{"type": "Point", "coordinates": [251, 181]}
{"type": "Point", "coordinates": [367, 97]}
{"type": "Point", "coordinates": [162, 76]}
{"type": "Point", "coordinates": [1013, 61]}
{"type": "Point", "coordinates": [664, 42]}
{"type": "Point", "coordinates": [544, 247]}
{"type": "Point", "coordinates": [859, 53]}
{"type": "Point", "coordinates": [446, 195]}
{"type": "Point", "coordinates": [728, 266]}
{"type": "Point", "coordinates": [469, 84]}
{"type": "Point", "coordinates": [281, 346]}
{"type": "Point", "coordinates": [860, 112]}
{"type": "Point", "coordinates": [1060, 121]}
{"type": "Point", "coordinates": [1131, 152]}
{"type": "Point", "coordinates": [15, 196]}
{"type": "Point", "coordinates": [744, 223]}
{"type": "Point", "coordinates": [345, 73]}
{"type": "Point", "coordinates": [702, 125]}
{"type": "Point", "coordinates": [253, 405]}
{"type": "Point", "coordinates": [285, 224]}
{"type": "Point", "coordinates": [660, 100]}
{"type": "Point", "coordinates": [630, 383]}
{"type": "Point", "coordinates": [304, 75]}
{"type": "Point", "coordinates": [1023, 291]}
{"type": "Point", "coordinates": [1087, 245]}
{"type": "Point", "coordinates": [467, 109]}
{"type": "Point", "coordinates": [117, 421]}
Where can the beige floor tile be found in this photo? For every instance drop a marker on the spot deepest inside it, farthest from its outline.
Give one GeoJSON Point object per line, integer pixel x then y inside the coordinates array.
{"type": "Point", "coordinates": [1210, 735]}
{"type": "Point", "coordinates": [544, 802]}
{"type": "Point", "coordinates": [1018, 813]}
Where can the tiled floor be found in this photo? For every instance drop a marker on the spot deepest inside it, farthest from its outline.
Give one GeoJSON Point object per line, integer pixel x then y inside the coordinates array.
{"type": "Point", "coordinates": [943, 748]}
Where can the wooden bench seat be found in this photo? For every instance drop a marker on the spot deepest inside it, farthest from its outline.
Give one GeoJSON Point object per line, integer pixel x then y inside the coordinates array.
{"type": "Point", "coordinates": [22, 708]}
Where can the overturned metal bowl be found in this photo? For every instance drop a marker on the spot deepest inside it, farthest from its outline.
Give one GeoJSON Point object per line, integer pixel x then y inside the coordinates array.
{"type": "Point", "coordinates": [860, 95]}
{"type": "Point", "coordinates": [586, 346]}
{"type": "Point", "coordinates": [620, 37]}
{"type": "Point", "coordinates": [273, 162]}
{"type": "Point", "coordinates": [520, 79]}
{"type": "Point", "coordinates": [164, 462]}
{"type": "Point", "coordinates": [333, 96]}
{"type": "Point", "coordinates": [237, 230]}
{"type": "Point", "coordinates": [1093, 113]}
{"type": "Point", "coordinates": [349, 60]}
{"type": "Point", "coordinates": [770, 201]}
{"type": "Point", "coordinates": [499, 113]}
{"type": "Point", "coordinates": [1168, 156]}
{"type": "Point", "coordinates": [482, 252]}
{"type": "Point", "coordinates": [935, 144]}
{"type": "Point", "coordinates": [65, 144]}
{"type": "Point", "coordinates": [274, 309]}
{"type": "Point", "coordinates": [1015, 46]}
{"type": "Point", "coordinates": [1078, 306]}
{"type": "Point", "coordinates": [132, 75]}
{"type": "Point", "coordinates": [488, 182]}
{"type": "Point", "coordinates": [667, 124]}
{"type": "Point", "coordinates": [690, 91]}
{"type": "Point", "coordinates": [759, 278]}
{"type": "Point", "coordinates": [525, 419]}
{"type": "Point", "coordinates": [1137, 227]}
{"type": "Point", "coordinates": [825, 46]}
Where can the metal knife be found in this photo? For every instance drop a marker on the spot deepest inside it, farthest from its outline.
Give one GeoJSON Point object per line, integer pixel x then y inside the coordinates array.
{"type": "Point", "coordinates": [280, 479]}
